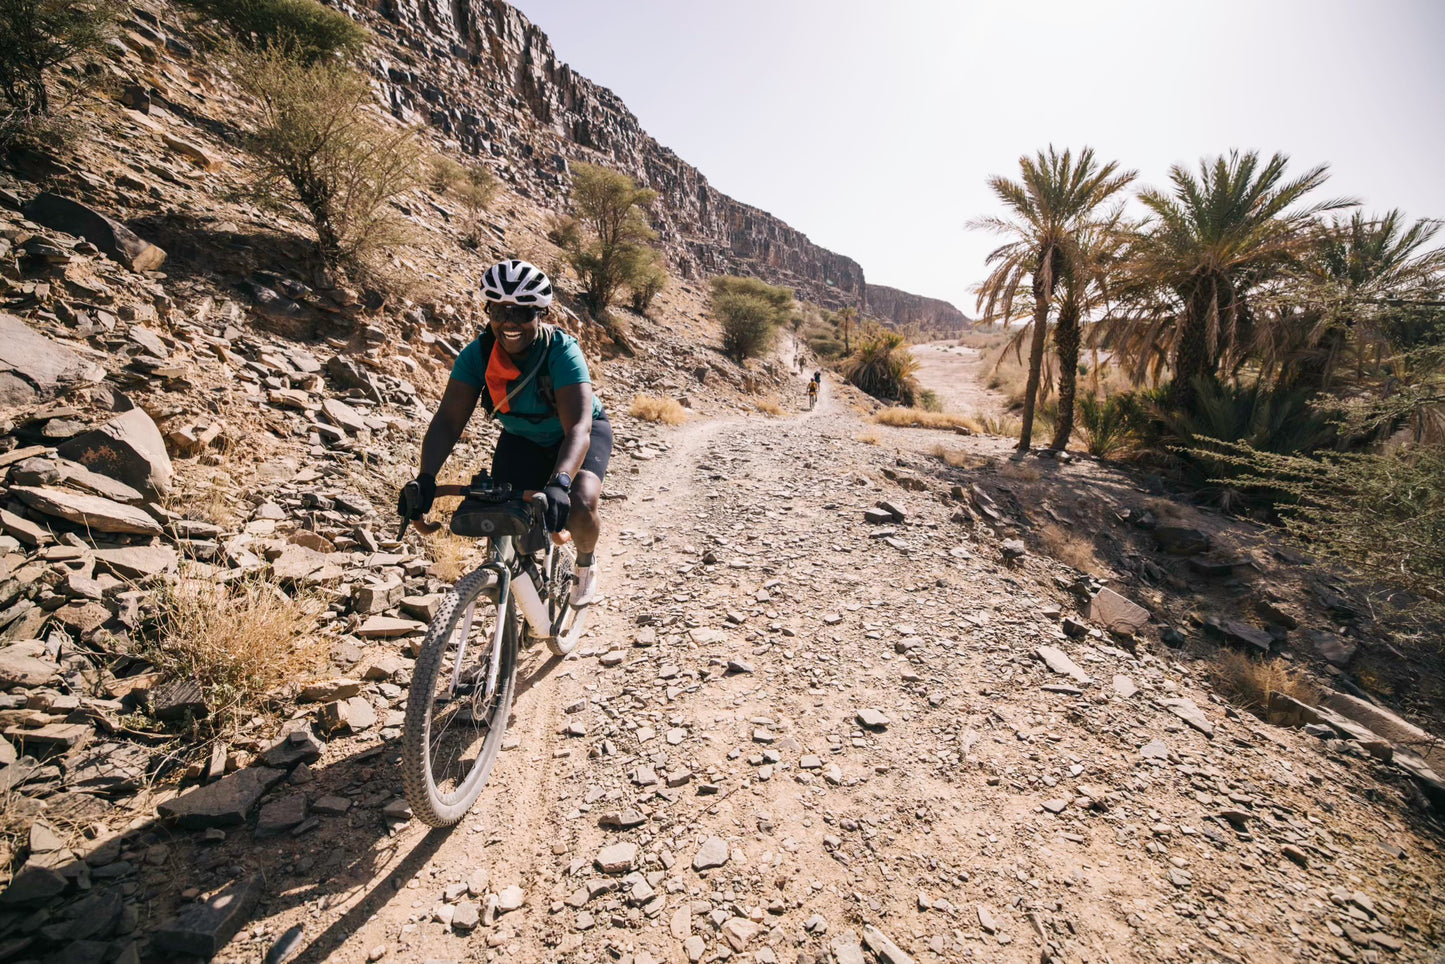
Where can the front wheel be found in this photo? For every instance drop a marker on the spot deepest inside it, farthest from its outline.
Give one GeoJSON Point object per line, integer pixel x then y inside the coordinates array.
{"type": "Point", "coordinates": [460, 698]}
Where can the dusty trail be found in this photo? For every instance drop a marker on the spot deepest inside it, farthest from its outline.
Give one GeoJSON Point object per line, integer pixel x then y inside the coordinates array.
{"type": "Point", "coordinates": [1001, 810]}
{"type": "Point", "coordinates": [953, 372]}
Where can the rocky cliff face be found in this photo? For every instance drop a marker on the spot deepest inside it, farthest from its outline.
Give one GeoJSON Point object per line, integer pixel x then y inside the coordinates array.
{"type": "Point", "coordinates": [901, 309]}
{"type": "Point", "coordinates": [484, 74]}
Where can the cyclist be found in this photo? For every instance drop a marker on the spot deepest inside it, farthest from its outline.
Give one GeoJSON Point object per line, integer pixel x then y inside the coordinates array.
{"type": "Point", "coordinates": [531, 377]}
{"type": "Point", "coordinates": [812, 393]}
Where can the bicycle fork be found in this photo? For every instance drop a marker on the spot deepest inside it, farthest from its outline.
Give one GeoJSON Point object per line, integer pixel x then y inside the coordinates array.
{"type": "Point", "coordinates": [504, 579]}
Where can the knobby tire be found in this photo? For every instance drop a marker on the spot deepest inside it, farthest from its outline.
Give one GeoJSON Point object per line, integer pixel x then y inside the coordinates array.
{"type": "Point", "coordinates": [428, 803]}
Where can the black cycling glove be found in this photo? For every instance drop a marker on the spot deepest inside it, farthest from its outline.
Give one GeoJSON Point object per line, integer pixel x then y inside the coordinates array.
{"type": "Point", "coordinates": [559, 503]}
{"type": "Point", "coordinates": [417, 496]}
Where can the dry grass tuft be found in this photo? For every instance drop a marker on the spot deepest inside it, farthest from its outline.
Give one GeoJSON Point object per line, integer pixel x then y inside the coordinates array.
{"type": "Point", "coordinates": [1019, 471]}
{"type": "Point", "coordinates": [653, 409]}
{"type": "Point", "coordinates": [1250, 682]}
{"type": "Point", "coordinates": [900, 417]}
{"type": "Point", "coordinates": [1070, 549]}
{"type": "Point", "coordinates": [450, 554]}
{"type": "Point", "coordinates": [770, 406]}
{"type": "Point", "coordinates": [957, 458]}
{"type": "Point", "coordinates": [238, 640]}
{"type": "Point", "coordinates": [870, 437]}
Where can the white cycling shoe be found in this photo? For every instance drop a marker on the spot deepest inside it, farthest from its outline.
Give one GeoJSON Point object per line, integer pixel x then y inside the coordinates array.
{"type": "Point", "coordinates": [584, 590]}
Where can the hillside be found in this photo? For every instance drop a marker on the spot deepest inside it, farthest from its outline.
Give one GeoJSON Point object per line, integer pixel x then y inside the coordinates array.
{"type": "Point", "coordinates": [483, 74]}
{"type": "Point", "coordinates": [855, 693]}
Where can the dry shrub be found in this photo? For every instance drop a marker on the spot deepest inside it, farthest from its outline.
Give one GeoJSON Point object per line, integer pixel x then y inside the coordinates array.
{"type": "Point", "coordinates": [239, 640]}
{"type": "Point", "coordinates": [1250, 682]}
{"type": "Point", "coordinates": [1070, 549]}
{"type": "Point", "coordinates": [957, 458]}
{"type": "Point", "coordinates": [770, 406]}
{"type": "Point", "coordinates": [900, 417]}
{"type": "Point", "coordinates": [1003, 426]}
{"type": "Point", "coordinates": [870, 437]}
{"type": "Point", "coordinates": [1019, 471]}
{"type": "Point", "coordinates": [653, 409]}
{"type": "Point", "coordinates": [450, 554]}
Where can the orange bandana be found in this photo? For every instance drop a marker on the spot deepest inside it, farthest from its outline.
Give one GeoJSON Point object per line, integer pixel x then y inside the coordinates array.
{"type": "Point", "coordinates": [501, 372]}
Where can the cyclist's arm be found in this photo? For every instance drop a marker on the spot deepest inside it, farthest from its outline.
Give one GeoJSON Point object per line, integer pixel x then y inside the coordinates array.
{"type": "Point", "coordinates": [574, 408]}
{"type": "Point", "coordinates": [457, 404]}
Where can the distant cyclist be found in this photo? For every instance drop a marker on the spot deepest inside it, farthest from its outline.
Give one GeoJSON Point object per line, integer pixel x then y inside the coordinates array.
{"type": "Point", "coordinates": [812, 394]}
{"type": "Point", "coordinates": [531, 377]}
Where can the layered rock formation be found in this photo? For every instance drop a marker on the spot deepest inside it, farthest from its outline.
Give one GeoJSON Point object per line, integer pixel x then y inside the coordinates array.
{"type": "Point", "coordinates": [484, 74]}
{"type": "Point", "coordinates": [931, 316]}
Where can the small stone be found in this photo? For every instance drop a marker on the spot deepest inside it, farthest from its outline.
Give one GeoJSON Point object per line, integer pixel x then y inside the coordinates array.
{"type": "Point", "coordinates": [466, 917]}
{"type": "Point", "coordinates": [872, 719]}
{"type": "Point", "coordinates": [712, 853]}
{"type": "Point", "coordinates": [618, 858]}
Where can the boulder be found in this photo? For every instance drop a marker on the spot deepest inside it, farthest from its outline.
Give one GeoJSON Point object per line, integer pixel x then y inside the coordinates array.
{"type": "Point", "coordinates": [129, 447]}
{"type": "Point", "coordinates": [107, 234]}
{"type": "Point", "coordinates": [224, 803]}
{"type": "Point", "coordinates": [22, 664]}
{"type": "Point", "coordinates": [1117, 614]}
{"type": "Point", "coordinates": [203, 928]}
{"type": "Point", "coordinates": [1181, 540]}
{"type": "Point", "coordinates": [34, 368]}
{"type": "Point", "coordinates": [138, 562]}
{"type": "Point", "coordinates": [101, 515]}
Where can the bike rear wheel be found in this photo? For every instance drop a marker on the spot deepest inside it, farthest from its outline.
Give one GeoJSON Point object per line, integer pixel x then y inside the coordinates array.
{"type": "Point", "coordinates": [454, 719]}
{"type": "Point", "coordinates": [566, 622]}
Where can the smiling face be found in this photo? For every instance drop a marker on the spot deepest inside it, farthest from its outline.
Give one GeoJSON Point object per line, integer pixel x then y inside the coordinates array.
{"type": "Point", "coordinates": [514, 325]}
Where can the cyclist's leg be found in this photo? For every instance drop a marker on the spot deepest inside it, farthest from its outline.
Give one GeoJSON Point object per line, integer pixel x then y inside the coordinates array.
{"type": "Point", "coordinates": [584, 521]}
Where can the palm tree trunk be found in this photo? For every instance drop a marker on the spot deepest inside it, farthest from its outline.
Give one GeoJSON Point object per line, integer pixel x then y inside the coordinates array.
{"type": "Point", "coordinates": [1066, 344]}
{"type": "Point", "coordinates": [1192, 356]}
{"type": "Point", "coordinates": [1043, 286]}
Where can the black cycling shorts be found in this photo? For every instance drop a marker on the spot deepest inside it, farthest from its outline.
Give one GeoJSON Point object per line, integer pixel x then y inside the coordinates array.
{"type": "Point", "coordinates": [526, 465]}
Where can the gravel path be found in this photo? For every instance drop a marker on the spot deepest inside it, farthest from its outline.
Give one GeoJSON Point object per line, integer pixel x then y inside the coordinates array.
{"type": "Point", "coordinates": [790, 732]}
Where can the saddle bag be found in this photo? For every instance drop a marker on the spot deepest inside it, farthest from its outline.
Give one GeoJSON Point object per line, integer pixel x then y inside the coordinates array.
{"type": "Point", "coordinates": [490, 520]}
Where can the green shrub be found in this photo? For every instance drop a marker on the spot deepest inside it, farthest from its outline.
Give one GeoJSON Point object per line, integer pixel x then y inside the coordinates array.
{"type": "Point", "coordinates": [304, 27]}
{"type": "Point", "coordinates": [929, 401]}
{"type": "Point", "coordinates": [747, 324]}
{"type": "Point", "coordinates": [883, 367]}
{"type": "Point", "coordinates": [37, 35]}
{"type": "Point", "coordinates": [472, 183]}
{"type": "Point", "coordinates": [750, 312]}
{"type": "Point", "coordinates": [317, 147]}
{"type": "Point", "coordinates": [1107, 425]}
{"type": "Point", "coordinates": [647, 284]}
{"type": "Point", "coordinates": [1383, 515]}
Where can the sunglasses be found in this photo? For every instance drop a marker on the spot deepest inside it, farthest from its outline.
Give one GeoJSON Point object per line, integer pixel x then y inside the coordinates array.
{"type": "Point", "coordinates": [512, 314]}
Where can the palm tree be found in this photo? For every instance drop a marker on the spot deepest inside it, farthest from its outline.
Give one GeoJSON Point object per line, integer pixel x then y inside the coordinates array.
{"type": "Point", "coordinates": [1368, 273]}
{"type": "Point", "coordinates": [1088, 281]}
{"type": "Point", "coordinates": [1212, 243]}
{"type": "Point", "coordinates": [1047, 207]}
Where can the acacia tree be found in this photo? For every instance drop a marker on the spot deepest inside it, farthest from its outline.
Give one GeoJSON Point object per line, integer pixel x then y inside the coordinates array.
{"type": "Point", "coordinates": [317, 144]}
{"type": "Point", "coordinates": [1054, 199]}
{"type": "Point", "coordinates": [37, 35]}
{"type": "Point", "coordinates": [611, 247]}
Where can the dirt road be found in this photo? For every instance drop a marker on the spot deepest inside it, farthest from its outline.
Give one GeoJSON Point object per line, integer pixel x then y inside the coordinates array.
{"type": "Point", "coordinates": [955, 372]}
{"type": "Point", "coordinates": [809, 727]}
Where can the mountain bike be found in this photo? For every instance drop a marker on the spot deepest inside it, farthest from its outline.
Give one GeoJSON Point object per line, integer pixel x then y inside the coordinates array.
{"type": "Point", "coordinates": [465, 674]}
{"type": "Point", "coordinates": [812, 400]}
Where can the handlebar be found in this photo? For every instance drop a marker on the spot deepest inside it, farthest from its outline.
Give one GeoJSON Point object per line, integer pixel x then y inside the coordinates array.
{"type": "Point", "coordinates": [425, 526]}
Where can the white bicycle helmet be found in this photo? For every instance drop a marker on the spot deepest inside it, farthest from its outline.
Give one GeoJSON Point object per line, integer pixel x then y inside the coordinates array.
{"type": "Point", "coordinates": [516, 282]}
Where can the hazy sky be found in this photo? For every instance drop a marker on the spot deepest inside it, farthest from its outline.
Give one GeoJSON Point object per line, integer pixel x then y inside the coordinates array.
{"type": "Point", "coordinates": [872, 127]}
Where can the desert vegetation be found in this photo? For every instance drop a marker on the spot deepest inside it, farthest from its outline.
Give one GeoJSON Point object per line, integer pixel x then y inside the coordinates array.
{"type": "Point", "coordinates": [36, 38]}
{"type": "Point", "coordinates": [1275, 348]}
{"type": "Point", "coordinates": [651, 408]}
{"type": "Point", "coordinates": [608, 241]}
{"type": "Point", "coordinates": [750, 313]}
